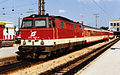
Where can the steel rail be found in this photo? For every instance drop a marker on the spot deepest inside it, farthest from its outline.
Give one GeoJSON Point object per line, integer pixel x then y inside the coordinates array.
{"type": "Point", "coordinates": [70, 68]}
{"type": "Point", "coordinates": [66, 68]}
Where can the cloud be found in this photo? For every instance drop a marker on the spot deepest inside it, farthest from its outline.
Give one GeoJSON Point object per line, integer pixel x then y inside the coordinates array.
{"type": "Point", "coordinates": [62, 11]}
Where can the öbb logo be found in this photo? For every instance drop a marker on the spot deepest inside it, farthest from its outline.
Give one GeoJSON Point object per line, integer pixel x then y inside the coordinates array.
{"type": "Point", "coordinates": [33, 33]}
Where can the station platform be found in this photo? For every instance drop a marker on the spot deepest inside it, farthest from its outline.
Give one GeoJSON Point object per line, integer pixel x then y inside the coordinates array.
{"type": "Point", "coordinates": [106, 64]}
{"type": "Point", "coordinates": [8, 52]}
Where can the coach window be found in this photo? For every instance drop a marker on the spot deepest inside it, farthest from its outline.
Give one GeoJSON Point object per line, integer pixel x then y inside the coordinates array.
{"type": "Point", "coordinates": [62, 26]}
{"type": "Point", "coordinates": [75, 27]}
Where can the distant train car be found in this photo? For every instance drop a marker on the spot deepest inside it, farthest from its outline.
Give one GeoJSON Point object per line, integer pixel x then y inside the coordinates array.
{"type": "Point", "coordinates": [44, 35]}
{"type": "Point", "coordinates": [95, 34]}
{"type": "Point", "coordinates": [18, 37]}
{"type": "Point", "coordinates": [7, 34]}
{"type": "Point", "coordinates": [111, 35]}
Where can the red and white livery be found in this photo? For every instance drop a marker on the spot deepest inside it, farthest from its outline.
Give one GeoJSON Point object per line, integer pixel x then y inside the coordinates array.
{"type": "Point", "coordinates": [44, 35]}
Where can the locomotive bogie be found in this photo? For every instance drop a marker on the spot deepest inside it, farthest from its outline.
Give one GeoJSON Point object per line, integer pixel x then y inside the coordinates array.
{"type": "Point", "coordinates": [31, 51]}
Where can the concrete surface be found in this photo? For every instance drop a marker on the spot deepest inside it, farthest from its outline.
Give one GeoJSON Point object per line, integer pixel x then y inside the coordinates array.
{"type": "Point", "coordinates": [107, 64]}
{"type": "Point", "coordinates": [8, 52]}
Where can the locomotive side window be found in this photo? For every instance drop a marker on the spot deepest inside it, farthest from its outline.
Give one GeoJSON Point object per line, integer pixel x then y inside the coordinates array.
{"type": "Point", "coordinates": [80, 28]}
{"type": "Point", "coordinates": [51, 24]}
{"type": "Point", "coordinates": [40, 23]}
{"type": "Point", "coordinates": [75, 27]}
{"type": "Point", "coordinates": [62, 26]}
{"type": "Point", "coordinates": [27, 24]}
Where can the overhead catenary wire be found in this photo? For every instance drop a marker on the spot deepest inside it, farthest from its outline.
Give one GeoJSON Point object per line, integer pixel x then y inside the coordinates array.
{"type": "Point", "coordinates": [102, 9]}
{"type": "Point", "coordinates": [18, 8]}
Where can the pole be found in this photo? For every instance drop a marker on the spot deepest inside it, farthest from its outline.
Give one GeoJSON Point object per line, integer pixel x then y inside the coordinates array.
{"type": "Point", "coordinates": [43, 7]}
{"type": "Point", "coordinates": [39, 7]}
{"type": "Point", "coordinates": [82, 19]}
{"type": "Point", "coordinates": [96, 19]}
{"type": "Point", "coordinates": [19, 23]}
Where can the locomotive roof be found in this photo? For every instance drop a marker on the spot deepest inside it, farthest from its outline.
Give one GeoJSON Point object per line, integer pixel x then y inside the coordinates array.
{"type": "Point", "coordinates": [59, 17]}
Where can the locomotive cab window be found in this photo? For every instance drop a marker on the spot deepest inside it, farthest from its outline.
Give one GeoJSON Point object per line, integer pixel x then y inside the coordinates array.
{"type": "Point", "coordinates": [40, 23]}
{"type": "Point", "coordinates": [62, 26]}
{"type": "Point", "coordinates": [27, 24]}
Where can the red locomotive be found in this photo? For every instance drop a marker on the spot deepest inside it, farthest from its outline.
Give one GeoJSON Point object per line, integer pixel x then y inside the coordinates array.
{"type": "Point", "coordinates": [43, 35]}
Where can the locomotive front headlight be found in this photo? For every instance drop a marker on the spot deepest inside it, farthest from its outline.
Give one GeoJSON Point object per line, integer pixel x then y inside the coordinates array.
{"type": "Point", "coordinates": [29, 40]}
{"type": "Point", "coordinates": [36, 40]}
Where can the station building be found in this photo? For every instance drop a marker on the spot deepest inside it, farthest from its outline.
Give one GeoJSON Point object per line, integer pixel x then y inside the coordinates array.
{"type": "Point", "coordinates": [114, 25]}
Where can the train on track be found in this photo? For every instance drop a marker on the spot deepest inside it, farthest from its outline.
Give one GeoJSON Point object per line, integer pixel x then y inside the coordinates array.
{"type": "Point", "coordinates": [18, 37]}
{"type": "Point", "coordinates": [44, 35]}
{"type": "Point", "coordinates": [7, 34]}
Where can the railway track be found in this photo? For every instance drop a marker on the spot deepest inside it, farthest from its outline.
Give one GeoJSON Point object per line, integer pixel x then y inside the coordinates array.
{"type": "Point", "coordinates": [70, 67]}
{"type": "Point", "coordinates": [10, 67]}
{"type": "Point", "coordinates": [17, 66]}
{"type": "Point", "coordinates": [8, 60]}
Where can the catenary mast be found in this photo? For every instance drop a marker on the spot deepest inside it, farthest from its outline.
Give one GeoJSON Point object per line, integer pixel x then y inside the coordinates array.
{"type": "Point", "coordinates": [41, 7]}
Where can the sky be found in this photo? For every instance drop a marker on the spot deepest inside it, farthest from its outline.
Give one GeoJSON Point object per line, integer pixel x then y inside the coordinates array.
{"type": "Point", "coordinates": [72, 9]}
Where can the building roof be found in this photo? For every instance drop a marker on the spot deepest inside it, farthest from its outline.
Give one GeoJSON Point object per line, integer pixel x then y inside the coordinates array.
{"type": "Point", "coordinates": [4, 23]}
{"type": "Point", "coordinates": [115, 20]}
